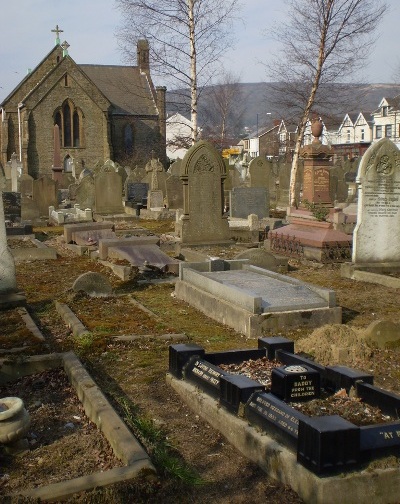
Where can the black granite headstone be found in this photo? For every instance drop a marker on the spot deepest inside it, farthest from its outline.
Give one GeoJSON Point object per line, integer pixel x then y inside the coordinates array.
{"type": "Point", "coordinates": [12, 206]}
{"type": "Point", "coordinates": [295, 383]}
{"type": "Point", "coordinates": [136, 191]}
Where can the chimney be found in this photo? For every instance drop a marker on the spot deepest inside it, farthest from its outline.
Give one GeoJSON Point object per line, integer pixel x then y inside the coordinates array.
{"type": "Point", "coordinates": [143, 60]}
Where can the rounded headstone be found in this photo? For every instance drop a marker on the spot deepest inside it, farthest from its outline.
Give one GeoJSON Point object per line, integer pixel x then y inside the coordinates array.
{"type": "Point", "coordinates": [93, 284]}
{"type": "Point", "coordinates": [260, 258]}
{"type": "Point", "coordinates": [383, 334]}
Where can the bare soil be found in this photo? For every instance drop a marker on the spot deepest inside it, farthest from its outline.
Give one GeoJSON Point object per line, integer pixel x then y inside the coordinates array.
{"type": "Point", "coordinates": [136, 371]}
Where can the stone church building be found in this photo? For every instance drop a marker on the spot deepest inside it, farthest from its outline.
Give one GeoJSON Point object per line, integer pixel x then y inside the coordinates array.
{"type": "Point", "coordinates": [102, 111]}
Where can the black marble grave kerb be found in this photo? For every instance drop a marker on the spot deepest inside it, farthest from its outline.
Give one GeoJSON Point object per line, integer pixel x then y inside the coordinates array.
{"type": "Point", "coordinates": [125, 446]}
{"type": "Point", "coordinates": [314, 455]}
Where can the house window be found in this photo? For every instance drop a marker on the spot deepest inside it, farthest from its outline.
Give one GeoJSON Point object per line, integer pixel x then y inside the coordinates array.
{"type": "Point", "coordinates": [362, 135]}
{"type": "Point", "coordinates": [348, 136]}
{"type": "Point", "coordinates": [69, 120]}
{"type": "Point", "coordinates": [378, 131]}
{"type": "Point", "coordinates": [384, 111]}
{"type": "Point", "coordinates": [388, 130]}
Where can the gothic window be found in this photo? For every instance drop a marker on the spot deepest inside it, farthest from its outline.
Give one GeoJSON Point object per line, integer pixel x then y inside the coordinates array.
{"type": "Point", "coordinates": [69, 120]}
{"type": "Point", "coordinates": [128, 139]}
{"type": "Point", "coordinates": [68, 164]}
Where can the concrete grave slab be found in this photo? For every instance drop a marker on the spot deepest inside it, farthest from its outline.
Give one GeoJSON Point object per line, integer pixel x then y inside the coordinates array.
{"type": "Point", "coordinates": [252, 300]}
{"type": "Point", "coordinates": [92, 236]}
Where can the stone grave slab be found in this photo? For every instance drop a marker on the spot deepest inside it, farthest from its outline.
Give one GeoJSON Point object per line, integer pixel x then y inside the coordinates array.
{"type": "Point", "coordinates": [149, 255]}
{"type": "Point", "coordinates": [92, 236]}
{"type": "Point", "coordinates": [104, 245]}
{"type": "Point", "coordinates": [252, 300]}
{"type": "Point", "coordinates": [69, 229]}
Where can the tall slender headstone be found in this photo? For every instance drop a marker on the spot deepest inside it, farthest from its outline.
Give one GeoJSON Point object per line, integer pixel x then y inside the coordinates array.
{"type": "Point", "coordinates": [203, 174]}
{"type": "Point", "coordinates": [377, 234]}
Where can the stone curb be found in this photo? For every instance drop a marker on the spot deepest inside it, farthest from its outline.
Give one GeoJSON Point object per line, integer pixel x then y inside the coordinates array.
{"type": "Point", "coordinates": [98, 409]}
{"type": "Point", "coordinates": [76, 326]}
{"type": "Point", "coordinates": [30, 324]}
{"type": "Point", "coordinates": [379, 486]}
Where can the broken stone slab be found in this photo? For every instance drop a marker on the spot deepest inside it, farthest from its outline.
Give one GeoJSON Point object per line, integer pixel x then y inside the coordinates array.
{"type": "Point", "coordinates": [122, 242]}
{"type": "Point", "coordinates": [85, 226]}
{"type": "Point", "coordinates": [148, 255]}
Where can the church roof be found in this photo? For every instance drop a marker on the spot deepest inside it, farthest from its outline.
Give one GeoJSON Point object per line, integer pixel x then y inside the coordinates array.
{"type": "Point", "coordinates": [126, 87]}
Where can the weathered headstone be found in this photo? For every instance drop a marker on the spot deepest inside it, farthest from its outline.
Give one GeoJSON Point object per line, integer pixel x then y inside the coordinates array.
{"type": "Point", "coordinates": [377, 234]}
{"type": "Point", "coordinates": [175, 168]}
{"type": "Point", "coordinates": [12, 206]}
{"type": "Point", "coordinates": [84, 193]}
{"type": "Point", "coordinates": [45, 194]}
{"type": "Point", "coordinates": [245, 201]}
{"type": "Point", "coordinates": [108, 191]}
{"type": "Point", "coordinates": [259, 171]}
{"type": "Point", "coordinates": [135, 191]}
{"type": "Point", "coordinates": [174, 192]}
{"type": "Point", "coordinates": [203, 174]}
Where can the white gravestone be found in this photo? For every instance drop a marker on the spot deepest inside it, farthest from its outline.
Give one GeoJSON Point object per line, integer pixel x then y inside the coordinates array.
{"type": "Point", "coordinates": [377, 234]}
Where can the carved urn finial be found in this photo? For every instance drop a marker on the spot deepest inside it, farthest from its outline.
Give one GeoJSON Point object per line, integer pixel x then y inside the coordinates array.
{"type": "Point", "coordinates": [316, 130]}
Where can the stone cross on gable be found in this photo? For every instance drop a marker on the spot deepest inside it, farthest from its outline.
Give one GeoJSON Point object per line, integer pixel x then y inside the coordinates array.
{"type": "Point", "coordinates": [57, 31]}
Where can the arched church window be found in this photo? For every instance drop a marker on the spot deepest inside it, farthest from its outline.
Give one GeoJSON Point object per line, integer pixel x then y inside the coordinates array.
{"type": "Point", "coordinates": [68, 164]}
{"type": "Point", "coordinates": [67, 125]}
{"type": "Point", "coordinates": [76, 129]}
{"type": "Point", "coordinates": [128, 139]}
{"type": "Point", "coordinates": [69, 120]}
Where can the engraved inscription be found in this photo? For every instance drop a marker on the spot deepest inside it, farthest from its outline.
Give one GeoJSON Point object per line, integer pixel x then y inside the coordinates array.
{"type": "Point", "coordinates": [203, 165]}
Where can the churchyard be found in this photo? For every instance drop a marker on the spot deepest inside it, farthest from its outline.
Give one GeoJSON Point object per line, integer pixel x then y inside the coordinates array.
{"type": "Point", "coordinates": [146, 320]}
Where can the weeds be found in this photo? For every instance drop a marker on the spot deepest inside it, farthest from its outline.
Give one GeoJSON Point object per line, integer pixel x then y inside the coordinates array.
{"type": "Point", "coordinates": [158, 447]}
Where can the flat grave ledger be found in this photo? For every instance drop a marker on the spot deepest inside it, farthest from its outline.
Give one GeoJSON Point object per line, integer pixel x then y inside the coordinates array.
{"type": "Point", "coordinates": [325, 444]}
{"type": "Point", "coordinates": [254, 300]}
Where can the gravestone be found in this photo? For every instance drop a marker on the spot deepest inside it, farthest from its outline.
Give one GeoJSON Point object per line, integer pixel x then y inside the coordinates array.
{"type": "Point", "coordinates": [156, 177]}
{"type": "Point", "coordinates": [45, 194]}
{"type": "Point", "coordinates": [135, 191]}
{"type": "Point", "coordinates": [12, 206]}
{"type": "Point", "coordinates": [377, 234]}
{"type": "Point", "coordinates": [138, 174]}
{"type": "Point", "coordinates": [155, 200]}
{"type": "Point", "coordinates": [245, 201]}
{"type": "Point", "coordinates": [26, 185]}
{"type": "Point", "coordinates": [108, 191]}
{"type": "Point", "coordinates": [174, 192]}
{"type": "Point", "coordinates": [203, 174]}
{"type": "Point", "coordinates": [175, 168]}
{"type": "Point", "coordinates": [259, 171]}
{"type": "Point", "coordinates": [84, 193]}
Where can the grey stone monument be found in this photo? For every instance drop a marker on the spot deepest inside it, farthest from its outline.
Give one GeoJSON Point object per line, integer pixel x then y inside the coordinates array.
{"type": "Point", "coordinates": [108, 191]}
{"type": "Point", "coordinates": [245, 201]}
{"type": "Point", "coordinates": [203, 174]}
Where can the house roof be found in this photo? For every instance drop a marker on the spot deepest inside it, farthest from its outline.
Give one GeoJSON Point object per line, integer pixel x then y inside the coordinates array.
{"type": "Point", "coordinates": [127, 88]}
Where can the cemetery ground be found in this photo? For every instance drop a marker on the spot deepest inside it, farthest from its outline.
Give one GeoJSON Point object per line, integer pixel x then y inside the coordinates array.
{"type": "Point", "coordinates": [194, 463]}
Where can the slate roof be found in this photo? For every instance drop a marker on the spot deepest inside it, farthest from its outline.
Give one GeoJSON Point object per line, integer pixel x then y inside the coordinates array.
{"type": "Point", "coordinates": [125, 86]}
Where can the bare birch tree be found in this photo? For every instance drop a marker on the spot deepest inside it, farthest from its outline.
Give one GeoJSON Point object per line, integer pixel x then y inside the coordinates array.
{"type": "Point", "coordinates": [322, 42]}
{"type": "Point", "coordinates": [223, 109]}
{"type": "Point", "coordinates": [187, 39]}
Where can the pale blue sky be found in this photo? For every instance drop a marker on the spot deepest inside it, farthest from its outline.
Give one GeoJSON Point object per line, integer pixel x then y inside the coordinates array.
{"type": "Point", "coordinates": [90, 25]}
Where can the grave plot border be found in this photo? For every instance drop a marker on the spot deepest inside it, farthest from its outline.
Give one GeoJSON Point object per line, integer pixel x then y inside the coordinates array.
{"type": "Point", "coordinates": [312, 437]}
{"type": "Point", "coordinates": [98, 409]}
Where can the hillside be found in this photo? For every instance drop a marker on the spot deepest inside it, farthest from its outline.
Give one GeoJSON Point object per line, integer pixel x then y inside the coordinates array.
{"type": "Point", "coordinates": [257, 99]}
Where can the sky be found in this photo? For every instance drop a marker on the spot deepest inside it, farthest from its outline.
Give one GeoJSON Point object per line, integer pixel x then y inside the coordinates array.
{"type": "Point", "coordinates": [89, 26]}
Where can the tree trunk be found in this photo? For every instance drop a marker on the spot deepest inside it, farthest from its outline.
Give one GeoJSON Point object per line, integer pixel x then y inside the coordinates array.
{"type": "Point", "coordinates": [310, 102]}
{"type": "Point", "coordinates": [193, 71]}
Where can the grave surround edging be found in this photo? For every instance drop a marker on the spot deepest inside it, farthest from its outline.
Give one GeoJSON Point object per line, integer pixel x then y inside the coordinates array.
{"type": "Point", "coordinates": [98, 409]}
